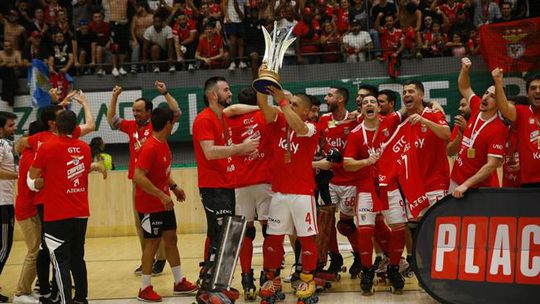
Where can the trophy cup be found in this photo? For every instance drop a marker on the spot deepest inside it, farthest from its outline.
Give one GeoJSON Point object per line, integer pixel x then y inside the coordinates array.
{"type": "Point", "coordinates": [275, 48]}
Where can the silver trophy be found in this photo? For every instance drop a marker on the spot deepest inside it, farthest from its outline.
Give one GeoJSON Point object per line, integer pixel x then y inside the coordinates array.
{"type": "Point", "coordinates": [275, 48]}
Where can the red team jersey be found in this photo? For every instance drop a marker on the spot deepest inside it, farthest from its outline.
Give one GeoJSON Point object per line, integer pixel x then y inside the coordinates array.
{"type": "Point", "coordinates": [24, 203]}
{"type": "Point", "coordinates": [65, 164]}
{"type": "Point", "coordinates": [137, 137]}
{"type": "Point", "coordinates": [155, 158]}
{"type": "Point", "coordinates": [217, 173]}
{"type": "Point", "coordinates": [390, 40]}
{"type": "Point", "coordinates": [254, 168]}
{"type": "Point", "coordinates": [294, 176]}
{"type": "Point", "coordinates": [183, 33]}
{"type": "Point", "coordinates": [528, 127]}
{"type": "Point", "coordinates": [334, 135]}
{"type": "Point", "coordinates": [433, 163]}
{"type": "Point", "coordinates": [489, 141]}
{"type": "Point", "coordinates": [35, 141]}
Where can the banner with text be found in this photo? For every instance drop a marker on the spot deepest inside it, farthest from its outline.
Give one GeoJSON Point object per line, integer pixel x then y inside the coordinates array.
{"type": "Point", "coordinates": [483, 248]}
{"type": "Point", "coordinates": [440, 88]}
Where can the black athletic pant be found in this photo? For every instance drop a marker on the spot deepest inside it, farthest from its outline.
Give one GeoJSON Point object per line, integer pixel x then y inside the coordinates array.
{"type": "Point", "coordinates": [65, 241]}
{"type": "Point", "coordinates": [43, 262]}
{"type": "Point", "coordinates": [218, 203]}
{"type": "Point", "coordinates": [7, 222]}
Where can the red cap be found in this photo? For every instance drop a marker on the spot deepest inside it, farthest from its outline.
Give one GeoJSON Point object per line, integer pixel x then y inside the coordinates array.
{"type": "Point", "coordinates": [35, 34]}
{"type": "Point", "coordinates": [308, 11]}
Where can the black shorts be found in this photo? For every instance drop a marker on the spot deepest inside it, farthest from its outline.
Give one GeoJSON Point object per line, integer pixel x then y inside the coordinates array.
{"type": "Point", "coordinates": [153, 224]}
{"type": "Point", "coordinates": [120, 35]}
{"type": "Point", "coordinates": [234, 29]}
{"type": "Point", "coordinates": [218, 203]}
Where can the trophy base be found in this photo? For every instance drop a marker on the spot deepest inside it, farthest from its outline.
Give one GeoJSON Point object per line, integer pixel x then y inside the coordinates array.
{"type": "Point", "coordinates": [260, 84]}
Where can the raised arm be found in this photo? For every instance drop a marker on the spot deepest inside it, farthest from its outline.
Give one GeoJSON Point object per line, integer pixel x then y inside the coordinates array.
{"type": "Point", "coordinates": [171, 101]}
{"type": "Point", "coordinates": [212, 151]}
{"type": "Point", "coordinates": [507, 109]}
{"type": "Point", "coordinates": [268, 111]}
{"type": "Point", "coordinates": [112, 117]}
{"type": "Point", "coordinates": [239, 109]}
{"type": "Point", "coordinates": [89, 121]}
{"type": "Point", "coordinates": [293, 120]}
{"type": "Point", "coordinates": [464, 82]}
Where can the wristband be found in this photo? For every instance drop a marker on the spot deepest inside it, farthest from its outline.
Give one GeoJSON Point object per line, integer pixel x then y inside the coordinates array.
{"type": "Point", "coordinates": [172, 187]}
{"type": "Point", "coordinates": [165, 93]}
{"type": "Point", "coordinates": [283, 102]}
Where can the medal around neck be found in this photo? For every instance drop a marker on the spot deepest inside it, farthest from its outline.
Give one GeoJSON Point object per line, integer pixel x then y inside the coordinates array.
{"type": "Point", "coordinates": [275, 48]}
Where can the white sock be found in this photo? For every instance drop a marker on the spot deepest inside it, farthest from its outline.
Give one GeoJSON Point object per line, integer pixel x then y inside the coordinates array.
{"type": "Point", "coordinates": [177, 273]}
{"type": "Point", "coordinates": [145, 281]}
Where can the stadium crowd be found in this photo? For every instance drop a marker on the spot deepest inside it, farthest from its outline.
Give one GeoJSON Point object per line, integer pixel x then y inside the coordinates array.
{"type": "Point", "coordinates": [103, 36]}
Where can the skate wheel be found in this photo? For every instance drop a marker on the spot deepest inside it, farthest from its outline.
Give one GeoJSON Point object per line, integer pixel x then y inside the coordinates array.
{"type": "Point", "coordinates": [410, 275]}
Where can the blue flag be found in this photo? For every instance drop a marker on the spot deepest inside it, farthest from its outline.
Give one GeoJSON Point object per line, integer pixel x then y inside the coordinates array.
{"type": "Point", "coordinates": [38, 81]}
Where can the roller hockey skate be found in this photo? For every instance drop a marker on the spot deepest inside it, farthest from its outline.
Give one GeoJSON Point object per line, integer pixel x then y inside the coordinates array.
{"type": "Point", "coordinates": [336, 266]}
{"type": "Point", "coordinates": [380, 265]}
{"type": "Point", "coordinates": [271, 290]}
{"type": "Point", "coordinates": [250, 291]}
{"type": "Point", "coordinates": [354, 270]}
{"type": "Point", "coordinates": [395, 278]}
{"type": "Point", "coordinates": [366, 280]}
{"type": "Point", "coordinates": [406, 267]}
{"type": "Point", "coordinates": [306, 290]}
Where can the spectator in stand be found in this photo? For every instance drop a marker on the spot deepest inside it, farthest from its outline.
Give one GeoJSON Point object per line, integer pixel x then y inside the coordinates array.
{"type": "Point", "coordinates": [473, 44]}
{"type": "Point", "coordinates": [102, 30]}
{"type": "Point", "coordinates": [59, 65]}
{"type": "Point", "coordinates": [51, 10]}
{"type": "Point", "coordinates": [330, 43]}
{"type": "Point", "coordinates": [506, 13]}
{"type": "Point", "coordinates": [25, 19]}
{"type": "Point", "coordinates": [410, 21]}
{"type": "Point", "coordinates": [35, 49]}
{"type": "Point", "coordinates": [485, 12]}
{"type": "Point", "coordinates": [359, 12]}
{"type": "Point", "coordinates": [142, 19]}
{"type": "Point", "coordinates": [62, 25]}
{"type": "Point", "coordinates": [392, 39]}
{"type": "Point", "coordinates": [266, 8]}
{"type": "Point", "coordinates": [456, 46]}
{"type": "Point", "coordinates": [434, 41]}
{"type": "Point", "coordinates": [185, 38]}
{"type": "Point", "coordinates": [324, 11]}
{"type": "Point", "coordinates": [520, 8]}
{"type": "Point", "coordinates": [462, 26]}
{"type": "Point", "coordinates": [342, 16]}
{"type": "Point", "coordinates": [158, 43]}
{"type": "Point", "coordinates": [234, 14]}
{"type": "Point", "coordinates": [286, 20]}
{"type": "Point", "coordinates": [307, 38]}
{"type": "Point", "coordinates": [38, 24]}
{"type": "Point", "coordinates": [356, 43]}
{"type": "Point", "coordinates": [62, 53]}
{"type": "Point", "coordinates": [214, 13]}
{"type": "Point", "coordinates": [204, 13]}
{"type": "Point", "coordinates": [387, 8]}
{"type": "Point", "coordinates": [450, 8]}
{"type": "Point", "coordinates": [118, 20]}
{"type": "Point", "coordinates": [82, 10]}
{"type": "Point", "coordinates": [210, 51]}
{"type": "Point", "coordinates": [254, 38]}
{"type": "Point", "coordinates": [13, 31]}
{"type": "Point", "coordinates": [10, 61]}
{"type": "Point", "coordinates": [84, 41]}
{"type": "Point", "coordinates": [183, 6]}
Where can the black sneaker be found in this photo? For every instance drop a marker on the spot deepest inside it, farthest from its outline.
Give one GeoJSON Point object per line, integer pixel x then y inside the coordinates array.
{"type": "Point", "coordinates": [157, 268]}
{"type": "Point", "coordinates": [138, 271]}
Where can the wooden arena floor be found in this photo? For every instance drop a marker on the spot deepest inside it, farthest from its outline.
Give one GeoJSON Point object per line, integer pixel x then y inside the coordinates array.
{"type": "Point", "coordinates": [111, 261]}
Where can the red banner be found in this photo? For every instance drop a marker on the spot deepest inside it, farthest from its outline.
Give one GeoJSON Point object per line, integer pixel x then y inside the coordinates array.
{"type": "Point", "coordinates": [513, 46]}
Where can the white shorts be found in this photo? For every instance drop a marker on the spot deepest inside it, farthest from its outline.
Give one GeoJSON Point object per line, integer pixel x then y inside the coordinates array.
{"type": "Point", "coordinates": [253, 201]}
{"type": "Point", "coordinates": [290, 212]}
{"type": "Point", "coordinates": [394, 215]}
{"type": "Point", "coordinates": [433, 197]}
{"type": "Point", "coordinates": [344, 197]}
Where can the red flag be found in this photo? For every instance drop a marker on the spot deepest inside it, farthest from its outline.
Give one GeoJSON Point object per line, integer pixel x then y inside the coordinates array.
{"type": "Point", "coordinates": [513, 46]}
{"type": "Point", "coordinates": [397, 163]}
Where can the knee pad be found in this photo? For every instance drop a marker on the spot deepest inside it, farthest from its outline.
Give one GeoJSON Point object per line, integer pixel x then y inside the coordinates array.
{"type": "Point", "coordinates": [346, 227]}
{"type": "Point", "coordinates": [264, 227]}
{"type": "Point", "coordinates": [251, 232]}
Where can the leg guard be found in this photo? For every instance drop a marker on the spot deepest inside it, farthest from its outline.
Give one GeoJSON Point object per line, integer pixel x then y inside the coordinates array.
{"type": "Point", "coordinates": [325, 220]}
{"type": "Point", "coordinates": [217, 272]}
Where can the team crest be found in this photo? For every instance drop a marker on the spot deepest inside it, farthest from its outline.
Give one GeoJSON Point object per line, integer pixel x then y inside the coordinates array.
{"type": "Point", "coordinates": [531, 121]}
{"type": "Point", "coordinates": [386, 132]}
{"type": "Point", "coordinates": [146, 132]}
{"type": "Point", "coordinates": [346, 130]}
{"type": "Point", "coordinates": [424, 129]}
